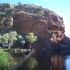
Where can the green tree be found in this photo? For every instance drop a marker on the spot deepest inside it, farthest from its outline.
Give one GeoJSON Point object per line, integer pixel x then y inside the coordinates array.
{"type": "Point", "coordinates": [8, 39]}
{"type": "Point", "coordinates": [21, 39]}
{"type": "Point", "coordinates": [5, 61]}
{"type": "Point", "coordinates": [22, 43]}
{"type": "Point", "coordinates": [31, 38]}
{"type": "Point", "coordinates": [22, 47]}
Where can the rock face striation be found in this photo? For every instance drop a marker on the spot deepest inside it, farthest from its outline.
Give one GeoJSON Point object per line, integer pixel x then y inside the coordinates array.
{"type": "Point", "coordinates": [48, 26]}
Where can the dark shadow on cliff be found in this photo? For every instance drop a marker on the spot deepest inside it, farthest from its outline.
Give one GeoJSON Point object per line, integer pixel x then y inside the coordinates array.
{"type": "Point", "coordinates": [61, 48]}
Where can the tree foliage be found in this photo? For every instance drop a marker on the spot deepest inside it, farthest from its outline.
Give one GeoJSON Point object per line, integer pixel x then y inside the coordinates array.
{"type": "Point", "coordinates": [8, 39]}
{"type": "Point", "coordinates": [5, 61]}
{"type": "Point", "coordinates": [21, 39]}
{"type": "Point", "coordinates": [31, 38]}
{"type": "Point", "coordinates": [22, 42]}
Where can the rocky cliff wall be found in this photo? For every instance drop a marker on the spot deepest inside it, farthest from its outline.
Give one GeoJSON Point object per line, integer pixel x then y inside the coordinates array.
{"type": "Point", "coordinates": [49, 27]}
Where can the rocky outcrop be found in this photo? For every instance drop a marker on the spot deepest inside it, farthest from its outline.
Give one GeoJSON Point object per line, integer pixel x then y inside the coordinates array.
{"type": "Point", "coordinates": [8, 23]}
{"type": "Point", "coordinates": [49, 27]}
{"type": "Point", "coordinates": [6, 11]}
{"type": "Point", "coordinates": [6, 5]}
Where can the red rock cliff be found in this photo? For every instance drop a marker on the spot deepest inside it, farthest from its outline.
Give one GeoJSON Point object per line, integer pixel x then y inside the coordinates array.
{"type": "Point", "coordinates": [49, 27]}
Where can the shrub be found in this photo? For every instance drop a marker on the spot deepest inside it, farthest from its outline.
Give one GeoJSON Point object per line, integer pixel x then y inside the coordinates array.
{"type": "Point", "coordinates": [5, 61]}
{"type": "Point", "coordinates": [40, 13]}
{"type": "Point", "coordinates": [9, 10]}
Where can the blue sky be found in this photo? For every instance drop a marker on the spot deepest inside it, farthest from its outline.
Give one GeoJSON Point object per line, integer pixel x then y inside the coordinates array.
{"type": "Point", "coordinates": [60, 7]}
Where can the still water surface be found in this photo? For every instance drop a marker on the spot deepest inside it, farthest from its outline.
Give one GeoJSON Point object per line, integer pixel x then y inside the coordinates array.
{"type": "Point", "coordinates": [58, 62]}
{"type": "Point", "coordinates": [67, 62]}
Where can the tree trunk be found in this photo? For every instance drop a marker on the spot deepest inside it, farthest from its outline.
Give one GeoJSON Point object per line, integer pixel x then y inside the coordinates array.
{"type": "Point", "coordinates": [23, 54]}
{"type": "Point", "coordinates": [9, 46]}
{"type": "Point", "coordinates": [30, 45]}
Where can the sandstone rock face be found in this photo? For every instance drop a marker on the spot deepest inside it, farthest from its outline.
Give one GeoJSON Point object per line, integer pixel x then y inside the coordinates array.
{"type": "Point", "coordinates": [49, 27]}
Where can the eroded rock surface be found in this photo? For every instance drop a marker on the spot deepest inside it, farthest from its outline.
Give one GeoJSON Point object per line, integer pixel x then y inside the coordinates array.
{"type": "Point", "coordinates": [49, 27]}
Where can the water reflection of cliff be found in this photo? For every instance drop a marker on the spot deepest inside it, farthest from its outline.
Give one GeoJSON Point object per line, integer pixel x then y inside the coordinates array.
{"type": "Point", "coordinates": [58, 62]}
{"type": "Point", "coordinates": [51, 62]}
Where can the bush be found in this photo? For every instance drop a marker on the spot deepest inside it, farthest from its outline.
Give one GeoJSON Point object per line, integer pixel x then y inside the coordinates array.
{"type": "Point", "coordinates": [9, 10]}
{"type": "Point", "coordinates": [40, 13]}
{"type": "Point", "coordinates": [5, 60]}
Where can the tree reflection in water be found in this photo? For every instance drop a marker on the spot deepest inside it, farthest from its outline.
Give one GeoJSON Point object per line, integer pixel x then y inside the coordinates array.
{"type": "Point", "coordinates": [51, 62]}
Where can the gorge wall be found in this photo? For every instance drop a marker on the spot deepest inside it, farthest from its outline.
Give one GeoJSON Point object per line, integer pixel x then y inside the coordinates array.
{"type": "Point", "coordinates": [25, 18]}
{"type": "Point", "coordinates": [45, 24]}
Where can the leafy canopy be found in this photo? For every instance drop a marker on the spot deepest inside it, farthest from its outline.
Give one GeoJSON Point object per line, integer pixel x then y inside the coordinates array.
{"type": "Point", "coordinates": [8, 38]}
{"type": "Point", "coordinates": [6, 60]}
{"type": "Point", "coordinates": [31, 37]}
